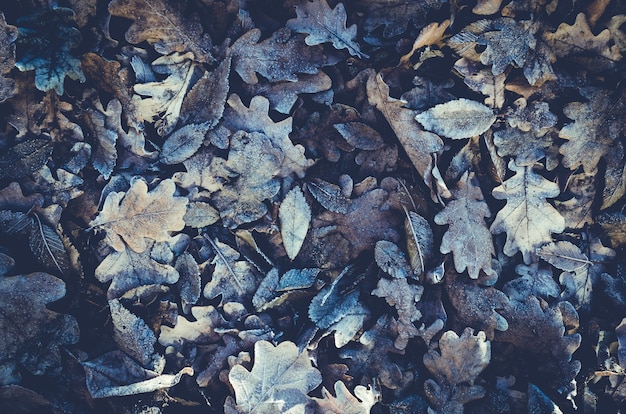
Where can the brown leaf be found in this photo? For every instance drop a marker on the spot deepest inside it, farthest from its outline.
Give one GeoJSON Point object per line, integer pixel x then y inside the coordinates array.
{"type": "Point", "coordinates": [24, 158]}
{"type": "Point", "coordinates": [8, 35]}
{"type": "Point", "coordinates": [361, 402]}
{"type": "Point", "coordinates": [166, 25]}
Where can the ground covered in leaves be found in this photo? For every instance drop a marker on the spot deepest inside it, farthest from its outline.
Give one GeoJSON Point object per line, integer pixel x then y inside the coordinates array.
{"type": "Point", "coordinates": [299, 206]}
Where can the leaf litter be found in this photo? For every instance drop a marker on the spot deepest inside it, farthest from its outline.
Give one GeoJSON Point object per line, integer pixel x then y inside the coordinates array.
{"type": "Point", "coordinates": [312, 206]}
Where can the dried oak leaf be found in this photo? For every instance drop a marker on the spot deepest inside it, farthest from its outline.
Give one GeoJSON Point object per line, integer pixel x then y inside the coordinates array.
{"type": "Point", "coordinates": [458, 119]}
{"type": "Point", "coordinates": [468, 236]}
{"type": "Point", "coordinates": [8, 35]}
{"type": "Point", "coordinates": [361, 402]}
{"type": "Point", "coordinates": [577, 210]}
{"type": "Point", "coordinates": [279, 381]}
{"type": "Point", "coordinates": [395, 15]}
{"type": "Point", "coordinates": [508, 42]}
{"type": "Point", "coordinates": [455, 368]}
{"type": "Point", "coordinates": [255, 118]}
{"type": "Point", "coordinates": [597, 126]}
{"type": "Point", "coordinates": [48, 36]}
{"type": "Point", "coordinates": [32, 334]}
{"type": "Point", "coordinates": [483, 81]}
{"type": "Point", "coordinates": [234, 278]}
{"type": "Point", "coordinates": [115, 374]}
{"type": "Point", "coordinates": [205, 171]}
{"type": "Point", "coordinates": [295, 218]}
{"type": "Point", "coordinates": [480, 307]}
{"type": "Point", "coordinates": [24, 158]}
{"type": "Point", "coordinates": [202, 330]}
{"type": "Point", "coordinates": [164, 99]}
{"type": "Point", "coordinates": [280, 57]}
{"type": "Point", "coordinates": [527, 217]}
{"type": "Point", "coordinates": [420, 146]}
{"type": "Point", "coordinates": [371, 356]}
{"type": "Point", "coordinates": [526, 147]}
{"type": "Point", "coordinates": [546, 332]}
{"type": "Point", "coordinates": [166, 25]}
{"type": "Point", "coordinates": [128, 270]}
{"type": "Point", "coordinates": [132, 217]}
{"type": "Point", "coordinates": [577, 42]}
{"type": "Point", "coordinates": [105, 126]}
{"type": "Point", "coordinates": [254, 163]}
{"type": "Point", "coordinates": [323, 24]}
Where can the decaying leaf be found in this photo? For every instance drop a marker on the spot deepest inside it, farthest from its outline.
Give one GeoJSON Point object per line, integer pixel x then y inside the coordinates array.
{"type": "Point", "coordinates": [32, 334]}
{"type": "Point", "coordinates": [328, 195]}
{"type": "Point", "coordinates": [132, 217]}
{"type": "Point", "coordinates": [279, 380]}
{"type": "Point", "coordinates": [419, 241]}
{"type": "Point", "coordinates": [483, 81]}
{"type": "Point", "coordinates": [183, 143]}
{"type": "Point", "coordinates": [166, 25]}
{"type": "Point", "coordinates": [455, 368]}
{"type": "Point", "coordinates": [391, 259]}
{"type": "Point", "coordinates": [199, 331]}
{"type": "Point", "coordinates": [395, 15]}
{"type": "Point", "coordinates": [8, 35]}
{"type": "Point", "coordinates": [468, 236]}
{"type": "Point", "coordinates": [361, 402]}
{"type": "Point", "coordinates": [24, 158]}
{"type": "Point", "coordinates": [295, 217]}
{"type": "Point", "coordinates": [323, 24]}
{"type": "Point", "coordinates": [462, 118]}
{"type": "Point", "coordinates": [105, 126]}
{"type": "Point", "coordinates": [527, 218]}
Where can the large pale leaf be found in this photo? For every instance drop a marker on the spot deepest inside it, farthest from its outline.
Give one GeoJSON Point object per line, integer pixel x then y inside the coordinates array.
{"type": "Point", "coordinates": [468, 236]}
{"type": "Point", "coordinates": [462, 118]}
{"type": "Point", "coordinates": [295, 216]}
{"type": "Point", "coordinates": [361, 402]}
{"type": "Point", "coordinates": [137, 215]}
{"type": "Point", "coordinates": [279, 381]}
{"type": "Point", "coordinates": [528, 219]}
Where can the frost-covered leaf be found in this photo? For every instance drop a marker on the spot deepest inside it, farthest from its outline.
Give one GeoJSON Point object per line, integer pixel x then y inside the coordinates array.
{"type": "Point", "coordinates": [391, 259]}
{"type": "Point", "coordinates": [525, 146]}
{"type": "Point", "coordinates": [461, 118]}
{"type": "Point", "coordinates": [483, 81]}
{"type": "Point", "coordinates": [455, 368]}
{"type": "Point", "coordinates": [241, 201]}
{"type": "Point", "coordinates": [330, 305]}
{"type": "Point", "coordinates": [189, 282]}
{"type": "Point", "coordinates": [528, 219]}
{"type": "Point", "coordinates": [419, 241]}
{"type": "Point", "coordinates": [47, 247]}
{"type": "Point", "coordinates": [328, 195]}
{"type": "Point", "coordinates": [533, 280]}
{"type": "Point", "coordinates": [419, 145]}
{"type": "Point", "coordinates": [166, 25]}
{"type": "Point", "coordinates": [360, 135]}
{"type": "Point", "coordinates": [467, 236]}
{"type": "Point", "coordinates": [183, 143]}
{"type": "Point", "coordinates": [613, 225]}
{"type": "Point", "coordinates": [297, 279]}
{"type": "Point", "coordinates": [564, 255]}
{"type": "Point", "coordinates": [163, 100]}
{"type": "Point", "coordinates": [115, 374]}
{"type": "Point", "coordinates": [48, 36]}
{"type": "Point", "coordinates": [323, 24]}
{"type": "Point", "coordinates": [128, 269]}
{"type": "Point", "coordinates": [137, 215]}
{"type": "Point", "coordinates": [395, 15]}
{"type": "Point", "coordinates": [577, 210]}
{"type": "Point", "coordinates": [535, 116]}
{"type": "Point", "coordinates": [361, 402]}
{"type": "Point", "coordinates": [200, 214]}
{"type": "Point", "coordinates": [233, 277]}
{"type": "Point", "coordinates": [24, 158]}
{"type": "Point", "coordinates": [185, 332]}
{"type": "Point", "coordinates": [8, 35]}
{"type": "Point", "coordinates": [295, 217]}
{"type": "Point", "coordinates": [204, 102]}
{"type": "Point", "coordinates": [105, 126]}
{"type": "Point", "coordinates": [279, 380]}
{"type": "Point", "coordinates": [280, 57]}
{"type": "Point", "coordinates": [597, 124]}
{"type": "Point", "coordinates": [32, 334]}
{"type": "Point", "coordinates": [255, 118]}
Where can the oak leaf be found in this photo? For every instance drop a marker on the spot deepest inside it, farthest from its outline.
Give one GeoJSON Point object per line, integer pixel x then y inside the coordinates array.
{"type": "Point", "coordinates": [166, 25]}
{"type": "Point", "coordinates": [295, 217]}
{"type": "Point", "coordinates": [279, 380]}
{"type": "Point", "coordinates": [455, 368]}
{"type": "Point", "coordinates": [525, 146]}
{"type": "Point", "coordinates": [105, 126]}
{"type": "Point", "coordinates": [482, 80]}
{"type": "Point", "coordinates": [132, 217]}
{"type": "Point", "coordinates": [468, 236]}
{"type": "Point", "coordinates": [395, 15]}
{"type": "Point", "coordinates": [361, 402]}
{"type": "Point", "coordinates": [528, 219]}
{"type": "Point", "coordinates": [128, 269]}
{"type": "Point", "coordinates": [280, 57]}
{"type": "Point", "coordinates": [323, 24]}
{"type": "Point", "coordinates": [202, 330]}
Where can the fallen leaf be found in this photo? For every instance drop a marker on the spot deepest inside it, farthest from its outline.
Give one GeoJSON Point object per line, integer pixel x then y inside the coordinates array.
{"type": "Point", "coordinates": [279, 380]}
{"type": "Point", "coordinates": [323, 24]}
{"type": "Point", "coordinates": [361, 402]}
{"type": "Point", "coordinates": [528, 219]}
{"type": "Point", "coordinates": [183, 143]}
{"type": "Point", "coordinates": [137, 215]}
{"type": "Point", "coordinates": [462, 118]}
{"type": "Point", "coordinates": [8, 35]}
{"type": "Point", "coordinates": [295, 217]}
